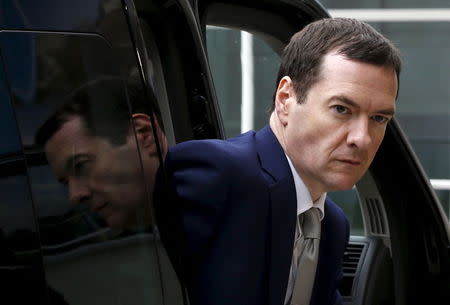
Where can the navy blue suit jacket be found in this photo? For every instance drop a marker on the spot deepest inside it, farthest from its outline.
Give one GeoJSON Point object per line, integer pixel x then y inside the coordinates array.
{"type": "Point", "coordinates": [228, 216]}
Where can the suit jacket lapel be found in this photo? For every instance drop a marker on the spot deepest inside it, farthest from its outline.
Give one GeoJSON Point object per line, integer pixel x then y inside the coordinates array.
{"type": "Point", "coordinates": [283, 210]}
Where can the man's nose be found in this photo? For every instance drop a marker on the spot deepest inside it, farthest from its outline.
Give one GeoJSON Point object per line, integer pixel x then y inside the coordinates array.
{"type": "Point", "coordinates": [78, 192]}
{"type": "Point", "coordinates": [359, 134]}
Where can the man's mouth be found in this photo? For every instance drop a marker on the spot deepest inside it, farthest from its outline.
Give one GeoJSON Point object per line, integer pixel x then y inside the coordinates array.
{"type": "Point", "coordinates": [352, 162]}
{"type": "Point", "coordinates": [100, 207]}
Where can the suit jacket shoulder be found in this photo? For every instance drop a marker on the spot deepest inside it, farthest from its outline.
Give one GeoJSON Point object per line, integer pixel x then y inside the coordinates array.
{"type": "Point", "coordinates": [203, 175]}
{"type": "Point", "coordinates": [221, 195]}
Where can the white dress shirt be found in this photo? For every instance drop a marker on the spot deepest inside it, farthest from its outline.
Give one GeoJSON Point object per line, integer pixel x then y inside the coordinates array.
{"type": "Point", "coordinates": [304, 203]}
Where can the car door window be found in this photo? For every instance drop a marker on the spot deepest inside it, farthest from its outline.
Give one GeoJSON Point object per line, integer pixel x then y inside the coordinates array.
{"type": "Point", "coordinates": [20, 261]}
{"type": "Point", "coordinates": [90, 191]}
{"type": "Point", "coordinates": [244, 69]}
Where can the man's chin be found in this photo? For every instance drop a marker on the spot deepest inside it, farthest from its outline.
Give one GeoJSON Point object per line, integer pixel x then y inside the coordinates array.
{"type": "Point", "coordinates": [346, 181]}
{"type": "Point", "coordinates": [121, 223]}
{"type": "Point", "coordinates": [116, 222]}
{"type": "Point", "coordinates": [342, 185]}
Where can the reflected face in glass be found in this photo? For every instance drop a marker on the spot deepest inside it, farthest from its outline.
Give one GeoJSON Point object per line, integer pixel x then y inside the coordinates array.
{"type": "Point", "coordinates": [107, 178]}
{"type": "Point", "coordinates": [332, 136]}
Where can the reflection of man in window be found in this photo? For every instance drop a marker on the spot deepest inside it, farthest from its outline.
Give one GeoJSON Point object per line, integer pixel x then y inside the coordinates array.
{"type": "Point", "coordinates": [96, 149]}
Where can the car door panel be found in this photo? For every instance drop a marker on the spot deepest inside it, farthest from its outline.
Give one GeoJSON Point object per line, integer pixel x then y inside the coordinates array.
{"type": "Point", "coordinates": [21, 267]}
{"type": "Point", "coordinates": [47, 58]}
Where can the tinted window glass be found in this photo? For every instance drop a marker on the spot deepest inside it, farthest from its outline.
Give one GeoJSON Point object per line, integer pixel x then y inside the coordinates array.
{"type": "Point", "coordinates": [10, 142]}
{"type": "Point", "coordinates": [84, 152]}
{"type": "Point", "coordinates": [20, 260]}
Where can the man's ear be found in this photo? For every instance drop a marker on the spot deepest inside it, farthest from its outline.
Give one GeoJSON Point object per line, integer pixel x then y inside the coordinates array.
{"type": "Point", "coordinates": [284, 98]}
{"type": "Point", "coordinates": [144, 133]}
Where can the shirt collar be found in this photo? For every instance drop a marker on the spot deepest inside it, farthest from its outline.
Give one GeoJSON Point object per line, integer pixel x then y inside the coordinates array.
{"type": "Point", "coordinates": [304, 201]}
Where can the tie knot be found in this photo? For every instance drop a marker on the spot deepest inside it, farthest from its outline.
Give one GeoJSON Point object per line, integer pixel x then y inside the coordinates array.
{"type": "Point", "coordinates": [310, 223]}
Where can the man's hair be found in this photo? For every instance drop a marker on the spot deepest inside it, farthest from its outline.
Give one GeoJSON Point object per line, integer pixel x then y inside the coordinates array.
{"type": "Point", "coordinates": [103, 108]}
{"type": "Point", "coordinates": [302, 57]}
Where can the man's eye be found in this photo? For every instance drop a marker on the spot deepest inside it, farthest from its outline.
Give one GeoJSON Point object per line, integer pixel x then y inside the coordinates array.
{"type": "Point", "coordinates": [341, 109]}
{"type": "Point", "coordinates": [81, 168]}
{"type": "Point", "coordinates": [380, 119]}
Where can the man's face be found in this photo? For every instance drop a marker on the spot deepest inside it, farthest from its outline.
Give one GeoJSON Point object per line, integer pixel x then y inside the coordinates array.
{"type": "Point", "coordinates": [332, 137]}
{"type": "Point", "coordinates": [105, 177]}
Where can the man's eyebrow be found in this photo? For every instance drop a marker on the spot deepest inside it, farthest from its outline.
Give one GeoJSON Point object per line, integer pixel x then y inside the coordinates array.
{"type": "Point", "coordinates": [389, 111]}
{"type": "Point", "coordinates": [70, 162]}
{"type": "Point", "coordinates": [346, 100]}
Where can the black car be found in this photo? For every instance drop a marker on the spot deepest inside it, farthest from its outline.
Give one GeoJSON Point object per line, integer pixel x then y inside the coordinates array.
{"type": "Point", "coordinates": [54, 252]}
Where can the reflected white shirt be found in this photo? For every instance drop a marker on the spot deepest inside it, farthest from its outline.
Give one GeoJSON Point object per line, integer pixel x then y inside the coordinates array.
{"type": "Point", "coordinates": [304, 203]}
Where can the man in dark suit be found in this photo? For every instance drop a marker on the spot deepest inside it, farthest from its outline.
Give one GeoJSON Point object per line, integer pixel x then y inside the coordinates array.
{"type": "Point", "coordinates": [230, 211]}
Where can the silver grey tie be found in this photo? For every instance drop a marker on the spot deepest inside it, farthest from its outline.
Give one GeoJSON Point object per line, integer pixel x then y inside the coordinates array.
{"type": "Point", "coordinates": [307, 248]}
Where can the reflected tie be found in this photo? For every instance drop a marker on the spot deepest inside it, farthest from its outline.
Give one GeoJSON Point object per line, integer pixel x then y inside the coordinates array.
{"type": "Point", "coordinates": [307, 248]}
